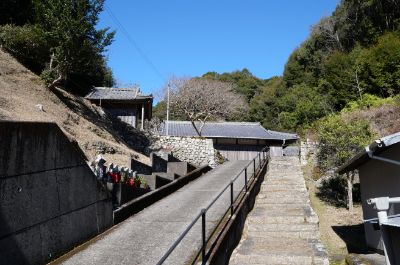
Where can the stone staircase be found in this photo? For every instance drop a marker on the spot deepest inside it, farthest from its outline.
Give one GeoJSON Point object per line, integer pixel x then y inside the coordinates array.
{"type": "Point", "coordinates": [282, 228]}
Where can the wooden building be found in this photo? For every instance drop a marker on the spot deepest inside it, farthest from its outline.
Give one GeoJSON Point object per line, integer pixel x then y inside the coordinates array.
{"type": "Point", "coordinates": [379, 171]}
{"type": "Point", "coordinates": [235, 140]}
{"type": "Point", "coordinates": [128, 104]}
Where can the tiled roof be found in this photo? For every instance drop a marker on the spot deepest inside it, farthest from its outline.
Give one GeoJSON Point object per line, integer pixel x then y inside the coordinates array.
{"type": "Point", "coordinates": [247, 130]}
{"type": "Point", "coordinates": [117, 93]}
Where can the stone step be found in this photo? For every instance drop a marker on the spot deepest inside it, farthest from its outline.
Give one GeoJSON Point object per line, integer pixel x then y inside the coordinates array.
{"type": "Point", "coordinates": [282, 228]}
{"type": "Point", "coordinates": [295, 219]}
{"type": "Point", "coordinates": [320, 254]}
{"type": "Point", "coordinates": [284, 194]}
{"type": "Point", "coordinates": [285, 182]}
{"type": "Point", "coordinates": [283, 200]}
{"type": "Point", "coordinates": [271, 251]}
{"type": "Point", "coordinates": [277, 162]}
{"type": "Point", "coordinates": [284, 158]}
{"type": "Point", "coordinates": [285, 173]}
{"type": "Point", "coordinates": [304, 227]}
{"type": "Point", "coordinates": [290, 210]}
{"type": "Point", "coordinates": [285, 234]}
{"type": "Point", "coordinates": [279, 168]}
{"type": "Point", "coordinates": [271, 259]}
{"type": "Point", "coordinates": [292, 177]}
{"type": "Point", "coordinates": [285, 251]}
{"type": "Point", "coordinates": [281, 162]}
{"type": "Point", "coordinates": [283, 187]}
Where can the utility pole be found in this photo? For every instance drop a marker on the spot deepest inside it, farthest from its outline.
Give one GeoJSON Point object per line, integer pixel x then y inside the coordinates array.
{"type": "Point", "coordinates": [166, 131]}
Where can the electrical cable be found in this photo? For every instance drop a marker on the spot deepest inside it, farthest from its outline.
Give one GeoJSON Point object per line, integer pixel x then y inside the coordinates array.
{"type": "Point", "coordinates": [134, 43]}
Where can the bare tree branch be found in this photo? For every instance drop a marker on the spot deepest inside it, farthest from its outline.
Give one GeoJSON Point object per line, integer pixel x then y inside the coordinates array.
{"type": "Point", "coordinates": [201, 99]}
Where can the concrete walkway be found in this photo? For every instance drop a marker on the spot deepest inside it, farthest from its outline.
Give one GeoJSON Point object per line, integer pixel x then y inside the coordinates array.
{"type": "Point", "coordinates": [145, 237]}
{"type": "Point", "coordinates": [282, 228]}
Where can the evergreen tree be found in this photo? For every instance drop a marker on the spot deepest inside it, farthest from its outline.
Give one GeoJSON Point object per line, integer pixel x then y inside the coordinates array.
{"type": "Point", "coordinates": [68, 26]}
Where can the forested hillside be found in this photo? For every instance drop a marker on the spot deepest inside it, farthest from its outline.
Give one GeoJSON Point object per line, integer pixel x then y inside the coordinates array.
{"type": "Point", "coordinates": [348, 56]}
{"type": "Point", "coordinates": [50, 55]}
{"type": "Point", "coordinates": [58, 41]}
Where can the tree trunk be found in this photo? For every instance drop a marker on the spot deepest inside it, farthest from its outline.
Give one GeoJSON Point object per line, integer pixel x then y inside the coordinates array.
{"type": "Point", "coordinates": [350, 180]}
{"type": "Point", "coordinates": [51, 61]}
{"type": "Point", "coordinates": [203, 122]}
{"type": "Point", "coordinates": [199, 133]}
{"type": "Point", "coordinates": [55, 82]}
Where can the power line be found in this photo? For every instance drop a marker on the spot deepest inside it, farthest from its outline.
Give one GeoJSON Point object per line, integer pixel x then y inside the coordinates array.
{"type": "Point", "coordinates": [134, 43]}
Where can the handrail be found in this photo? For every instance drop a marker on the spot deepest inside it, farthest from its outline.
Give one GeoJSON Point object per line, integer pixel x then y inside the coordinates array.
{"type": "Point", "coordinates": [230, 208]}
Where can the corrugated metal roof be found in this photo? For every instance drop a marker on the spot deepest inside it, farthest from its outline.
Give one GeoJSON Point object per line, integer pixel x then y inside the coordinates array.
{"type": "Point", "coordinates": [248, 130]}
{"type": "Point", "coordinates": [117, 93]}
{"type": "Point", "coordinates": [376, 147]}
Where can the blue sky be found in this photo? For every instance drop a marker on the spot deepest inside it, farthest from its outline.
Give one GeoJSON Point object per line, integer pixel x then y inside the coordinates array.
{"type": "Point", "coordinates": [192, 37]}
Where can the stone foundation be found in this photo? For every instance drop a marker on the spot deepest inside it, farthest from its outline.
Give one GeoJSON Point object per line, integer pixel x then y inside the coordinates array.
{"type": "Point", "coordinates": [196, 151]}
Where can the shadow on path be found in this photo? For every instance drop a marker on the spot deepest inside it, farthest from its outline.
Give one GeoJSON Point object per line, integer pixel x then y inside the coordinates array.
{"type": "Point", "coordinates": [354, 237]}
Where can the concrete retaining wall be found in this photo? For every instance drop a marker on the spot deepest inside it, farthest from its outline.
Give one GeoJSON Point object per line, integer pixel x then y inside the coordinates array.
{"type": "Point", "coordinates": [158, 164]}
{"type": "Point", "coordinates": [50, 199]}
{"type": "Point", "coordinates": [139, 167]}
{"type": "Point", "coordinates": [123, 193]}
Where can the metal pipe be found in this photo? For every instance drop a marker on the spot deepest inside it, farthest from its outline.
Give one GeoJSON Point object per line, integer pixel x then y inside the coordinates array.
{"type": "Point", "coordinates": [166, 124]}
{"type": "Point", "coordinates": [245, 178]}
{"type": "Point", "coordinates": [231, 198]}
{"type": "Point", "coordinates": [370, 152]}
{"type": "Point", "coordinates": [203, 222]}
{"type": "Point", "coordinates": [180, 238]}
{"type": "Point", "coordinates": [203, 211]}
{"type": "Point", "coordinates": [382, 205]}
{"type": "Point", "coordinates": [382, 217]}
{"type": "Point", "coordinates": [142, 116]}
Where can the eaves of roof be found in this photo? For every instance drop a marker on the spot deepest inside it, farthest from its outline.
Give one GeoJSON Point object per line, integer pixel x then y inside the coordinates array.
{"type": "Point", "coordinates": [236, 130]}
{"type": "Point", "coordinates": [105, 93]}
{"type": "Point", "coordinates": [375, 148]}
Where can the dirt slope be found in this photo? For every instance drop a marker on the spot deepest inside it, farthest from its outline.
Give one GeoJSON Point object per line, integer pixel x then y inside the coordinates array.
{"type": "Point", "coordinates": [22, 93]}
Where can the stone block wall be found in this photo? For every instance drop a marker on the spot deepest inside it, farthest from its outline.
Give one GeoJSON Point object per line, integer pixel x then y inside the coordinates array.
{"type": "Point", "coordinates": [308, 152]}
{"type": "Point", "coordinates": [291, 151]}
{"type": "Point", "coordinates": [197, 152]}
{"type": "Point", "coordinates": [50, 200]}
